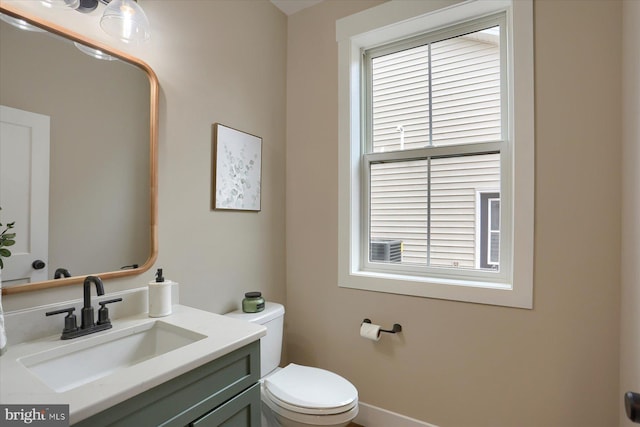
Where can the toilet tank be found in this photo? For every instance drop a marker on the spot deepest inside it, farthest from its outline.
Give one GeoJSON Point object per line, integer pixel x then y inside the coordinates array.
{"type": "Point", "coordinates": [272, 317]}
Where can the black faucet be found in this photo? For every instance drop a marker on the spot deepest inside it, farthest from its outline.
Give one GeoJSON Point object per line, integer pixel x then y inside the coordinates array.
{"type": "Point", "coordinates": [88, 325]}
{"type": "Point", "coordinates": [61, 272]}
{"type": "Point", "coordinates": [87, 309]}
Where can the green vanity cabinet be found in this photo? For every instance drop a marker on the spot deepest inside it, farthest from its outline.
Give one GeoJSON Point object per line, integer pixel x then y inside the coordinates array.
{"type": "Point", "coordinates": [243, 410]}
{"type": "Point", "coordinates": [221, 393]}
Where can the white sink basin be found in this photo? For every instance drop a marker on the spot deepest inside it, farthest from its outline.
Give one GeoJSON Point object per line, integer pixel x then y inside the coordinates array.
{"type": "Point", "coordinates": [70, 366]}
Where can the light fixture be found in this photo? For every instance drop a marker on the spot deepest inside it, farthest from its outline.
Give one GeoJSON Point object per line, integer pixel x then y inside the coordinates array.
{"type": "Point", "coordinates": [20, 23]}
{"type": "Point", "coordinates": [24, 25]}
{"type": "Point", "coordinates": [125, 20]}
{"type": "Point", "coordinates": [122, 19]}
{"type": "Point", "coordinates": [94, 53]}
{"type": "Point", "coordinates": [61, 4]}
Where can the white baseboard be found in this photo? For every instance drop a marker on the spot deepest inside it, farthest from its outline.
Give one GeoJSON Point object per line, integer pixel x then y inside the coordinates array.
{"type": "Point", "coordinates": [372, 416]}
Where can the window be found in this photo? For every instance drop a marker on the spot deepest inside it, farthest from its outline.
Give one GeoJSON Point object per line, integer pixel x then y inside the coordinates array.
{"type": "Point", "coordinates": [488, 222]}
{"type": "Point", "coordinates": [435, 176]}
{"type": "Point", "coordinates": [432, 140]}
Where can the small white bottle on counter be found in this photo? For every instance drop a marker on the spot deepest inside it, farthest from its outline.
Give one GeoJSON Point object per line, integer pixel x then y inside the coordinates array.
{"type": "Point", "coordinates": [160, 296]}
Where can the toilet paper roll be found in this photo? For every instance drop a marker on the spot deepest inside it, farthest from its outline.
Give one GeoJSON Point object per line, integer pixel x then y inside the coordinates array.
{"type": "Point", "coordinates": [370, 331]}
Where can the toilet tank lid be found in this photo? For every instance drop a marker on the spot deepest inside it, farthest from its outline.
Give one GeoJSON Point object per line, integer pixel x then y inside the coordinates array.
{"type": "Point", "coordinates": [270, 312]}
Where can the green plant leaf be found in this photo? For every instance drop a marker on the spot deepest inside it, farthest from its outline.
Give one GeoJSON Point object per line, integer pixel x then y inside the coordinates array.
{"type": "Point", "coordinates": [6, 239]}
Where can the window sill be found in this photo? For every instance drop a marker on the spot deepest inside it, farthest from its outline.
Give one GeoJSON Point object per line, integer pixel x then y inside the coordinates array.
{"type": "Point", "coordinates": [493, 293]}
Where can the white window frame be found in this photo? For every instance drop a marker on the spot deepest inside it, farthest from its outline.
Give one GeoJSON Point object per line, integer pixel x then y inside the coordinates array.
{"type": "Point", "coordinates": [431, 152]}
{"type": "Point", "coordinates": [400, 19]}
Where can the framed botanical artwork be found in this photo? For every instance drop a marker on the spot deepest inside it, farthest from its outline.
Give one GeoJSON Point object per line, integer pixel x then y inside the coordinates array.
{"type": "Point", "coordinates": [237, 162]}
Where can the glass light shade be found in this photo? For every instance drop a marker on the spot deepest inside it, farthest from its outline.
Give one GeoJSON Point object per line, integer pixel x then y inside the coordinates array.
{"type": "Point", "coordinates": [60, 4]}
{"type": "Point", "coordinates": [125, 20]}
{"type": "Point", "coordinates": [20, 23]}
{"type": "Point", "coordinates": [95, 53]}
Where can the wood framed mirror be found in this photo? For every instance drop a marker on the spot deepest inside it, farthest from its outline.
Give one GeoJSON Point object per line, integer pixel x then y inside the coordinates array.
{"type": "Point", "coordinates": [102, 202]}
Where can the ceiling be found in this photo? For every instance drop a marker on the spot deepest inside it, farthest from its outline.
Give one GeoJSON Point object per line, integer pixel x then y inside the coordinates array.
{"type": "Point", "coordinates": [292, 6]}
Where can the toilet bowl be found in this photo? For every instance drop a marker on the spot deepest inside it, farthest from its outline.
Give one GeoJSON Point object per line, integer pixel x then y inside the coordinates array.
{"type": "Point", "coordinates": [296, 395]}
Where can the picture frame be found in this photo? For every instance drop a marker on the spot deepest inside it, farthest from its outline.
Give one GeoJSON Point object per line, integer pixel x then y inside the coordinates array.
{"type": "Point", "coordinates": [237, 170]}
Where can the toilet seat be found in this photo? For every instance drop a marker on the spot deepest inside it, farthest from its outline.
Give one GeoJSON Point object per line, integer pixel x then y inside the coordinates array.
{"type": "Point", "coordinates": [284, 415]}
{"type": "Point", "coordinates": [311, 391]}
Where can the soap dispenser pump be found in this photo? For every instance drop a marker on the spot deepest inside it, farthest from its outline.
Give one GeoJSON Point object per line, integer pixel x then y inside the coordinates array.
{"type": "Point", "coordinates": [160, 296]}
{"type": "Point", "coordinates": [159, 276]}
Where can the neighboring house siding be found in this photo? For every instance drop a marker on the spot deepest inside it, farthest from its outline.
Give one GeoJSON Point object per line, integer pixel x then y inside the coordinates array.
{"type": "Point", "coordinates": [466, 104]}
{"type": "Point", "coordinates": [401, 98]}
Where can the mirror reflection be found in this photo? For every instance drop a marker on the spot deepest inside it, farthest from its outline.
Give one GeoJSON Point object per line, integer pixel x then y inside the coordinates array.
{"type": "Point", "coordinates": [98, 189]}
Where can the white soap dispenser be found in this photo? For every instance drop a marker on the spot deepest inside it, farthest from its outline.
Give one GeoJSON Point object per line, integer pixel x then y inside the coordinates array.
{"type": "Point", "coordinates": [160, 296]}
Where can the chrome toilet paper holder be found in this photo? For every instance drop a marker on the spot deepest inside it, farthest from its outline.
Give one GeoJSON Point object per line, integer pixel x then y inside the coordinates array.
{"type": "Point", "coordinates": [395, 329]}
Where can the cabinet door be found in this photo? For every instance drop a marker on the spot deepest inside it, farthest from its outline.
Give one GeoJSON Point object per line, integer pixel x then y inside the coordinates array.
{"type": "Point", "coordinates": [241, 411]}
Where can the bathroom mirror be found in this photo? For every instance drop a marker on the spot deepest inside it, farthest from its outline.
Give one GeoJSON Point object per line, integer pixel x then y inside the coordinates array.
{"type": "Point", "coordinates": [102, 143]}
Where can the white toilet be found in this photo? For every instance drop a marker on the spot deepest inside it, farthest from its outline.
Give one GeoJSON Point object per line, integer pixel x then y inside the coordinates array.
{"type": "Point", "coordinates": [297, 396]}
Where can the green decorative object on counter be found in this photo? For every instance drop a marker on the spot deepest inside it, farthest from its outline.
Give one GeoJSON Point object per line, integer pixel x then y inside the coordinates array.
{"type": "Point", "coordinates": [252, 302]}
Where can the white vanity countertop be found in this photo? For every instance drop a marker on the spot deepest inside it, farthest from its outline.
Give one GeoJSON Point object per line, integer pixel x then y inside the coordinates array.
{"type": "Point", "coordinates": [223, 334]}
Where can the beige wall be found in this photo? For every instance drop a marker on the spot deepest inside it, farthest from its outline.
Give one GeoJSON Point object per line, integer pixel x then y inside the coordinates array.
{"type": "Point", "coordinates": [460, 364]}
{"type": "Point", "coordinates": [231, 70]}
{"type": "Point", "coordinates": [630, 310]}
{"type": "Point", "coordinates": [217, 61]}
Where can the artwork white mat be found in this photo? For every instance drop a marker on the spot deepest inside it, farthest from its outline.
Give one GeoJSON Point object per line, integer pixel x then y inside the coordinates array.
{"type": "Point", "coordinates": [238, 169]}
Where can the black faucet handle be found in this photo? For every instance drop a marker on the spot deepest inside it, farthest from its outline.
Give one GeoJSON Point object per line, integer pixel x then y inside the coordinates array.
{"type": "Point", "coordinates": [109, 301]}
{"type": "Point", "coordinates": [103, 313]}
{"type": "Point", "coordinates": [70, 322]}
{"type": "Point", "coordinates": [69, 310]}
